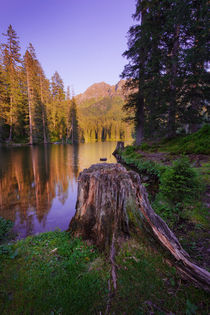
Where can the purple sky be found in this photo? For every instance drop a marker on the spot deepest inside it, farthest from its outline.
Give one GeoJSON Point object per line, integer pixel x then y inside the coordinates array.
{"type": "Point", "coordinates": [82, 39]}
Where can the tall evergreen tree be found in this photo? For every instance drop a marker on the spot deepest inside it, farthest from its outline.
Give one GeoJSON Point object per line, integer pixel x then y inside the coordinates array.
{"type": "Point", "coordinates": [4, 101]}
{"type": "Point", "coordinates": [44, 98]}
{"type": "Point", "coordinates": [11, 63]}
{"type": "Point", "coordinates": [73, 122]}
{"type": "Point", "coordinates": [58, 107]}
{"type": "Point", "coordinates": [167, 51]}
{"type": "Point", "coordinates": [29, 66]}
{"type": "Point", "coordinates": [36, 86]}
{"type": "Point", "coordinates": [140, 72]}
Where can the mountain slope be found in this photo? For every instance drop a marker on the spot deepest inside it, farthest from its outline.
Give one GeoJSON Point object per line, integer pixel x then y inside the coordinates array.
{"type": "Point", "coordinates": [100, 113]}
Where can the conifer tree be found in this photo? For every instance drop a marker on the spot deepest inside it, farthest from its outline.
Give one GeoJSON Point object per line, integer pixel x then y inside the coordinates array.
{"type": "Point", "coordinates": [167, 53]}
{"type": "Point", "coordinates": [37, 89]}
{"type": "Point", "coordinates": [29, 65]}
{"type": "Point", "coordinates": [44, 98]}
{"type": "Point", "coordinates": [4, 101]}
{"type": "Point", "coordinates": [11, 64]}
{"type": "Point", "coordinates": [57, 112]}
{"type": "Point", "coordinates": [73, 120]}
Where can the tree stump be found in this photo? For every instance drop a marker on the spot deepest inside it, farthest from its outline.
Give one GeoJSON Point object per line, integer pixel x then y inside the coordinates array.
{"type": "Point", "coordinates": [108, 195]}
{"type": "Point", "coordinates": [119, 147]}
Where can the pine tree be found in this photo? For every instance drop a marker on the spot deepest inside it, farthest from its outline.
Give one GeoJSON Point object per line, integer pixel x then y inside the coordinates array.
{"type": "Point", "coordinates": [12, 63]}
{"type": "Point", "coordinates": [38, 95]}
{"type": "Point", "coordinates": [144, 68]}
{"type": "Point", "coordinates": [58, 110]}
{"type": "Point", "coordinates": [4, 101]}
{"type": "Point", "coordinates": [44, 97]}
{"type": "Point", "coordinates": [166, 74]}
{"type": "Point", "coordinates": [29, 65]}
{"type": "Point", "coordinates": [73, 121]}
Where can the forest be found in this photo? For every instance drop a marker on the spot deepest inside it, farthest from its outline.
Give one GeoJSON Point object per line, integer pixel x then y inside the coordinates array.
{"type": "Point", "coordinates": [34, 109]}
{"type": "Point", "coordinates": [164, 91]}
{"type": "Point", "coordinates": [168, 68]}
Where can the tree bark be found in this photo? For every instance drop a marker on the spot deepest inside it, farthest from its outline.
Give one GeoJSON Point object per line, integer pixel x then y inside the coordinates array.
{"type": "Point", "coordinates": [140, 120]}
{"type": "Point", "coordinates": [43, 111]}
{"type": "Point", "coordinates": [108, 195]}
{"type": "Point", "coordinates": [173, 75]}
{"type": "Point", "coordinates": [29, 88]}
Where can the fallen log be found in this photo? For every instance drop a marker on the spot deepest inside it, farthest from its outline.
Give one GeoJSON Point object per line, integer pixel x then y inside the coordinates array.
{"type": "Point", "coordinates": [106, 194]}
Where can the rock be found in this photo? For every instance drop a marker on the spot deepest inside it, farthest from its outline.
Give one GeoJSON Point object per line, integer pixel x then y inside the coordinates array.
{"type": "Point", "coordinates": [108, 195]}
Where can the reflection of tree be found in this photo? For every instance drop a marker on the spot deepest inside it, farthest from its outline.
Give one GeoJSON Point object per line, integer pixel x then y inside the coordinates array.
{"type": "Point", "coordinates": [31, 177]}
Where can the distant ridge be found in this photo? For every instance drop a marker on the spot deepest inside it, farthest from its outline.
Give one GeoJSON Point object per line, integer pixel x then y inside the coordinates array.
{"type": "Point", "coordinates": [101, 90]}
{"type": "Point", "coordinates": [100, 113]}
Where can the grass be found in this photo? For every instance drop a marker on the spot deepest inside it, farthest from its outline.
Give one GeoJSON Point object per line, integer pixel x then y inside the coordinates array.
{"type": "Point", "coordinates": [49, 274]}
{"type": "Point", "coordinates": [196, 143]}
{"type": "Point", "coordinates": [147, 285]}
{"type": "Point", "coordinates": [54, 274]}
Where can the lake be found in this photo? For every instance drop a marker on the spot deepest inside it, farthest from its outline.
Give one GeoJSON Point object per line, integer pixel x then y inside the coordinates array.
{"type": "Point", "coordinates": [38, 184]}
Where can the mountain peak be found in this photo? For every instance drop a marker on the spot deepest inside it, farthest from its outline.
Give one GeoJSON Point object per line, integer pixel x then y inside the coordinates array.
{"type": "Point", "coordinates": [101, 90]}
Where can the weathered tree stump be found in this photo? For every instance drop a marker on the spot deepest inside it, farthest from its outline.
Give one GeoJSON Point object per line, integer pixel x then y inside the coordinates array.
{"type": "Point", "coordinates": [119, 147]}
{"type": "Point", "coordinates": [106, 195]}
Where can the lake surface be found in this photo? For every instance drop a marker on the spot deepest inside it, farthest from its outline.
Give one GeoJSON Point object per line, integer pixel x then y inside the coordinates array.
{"type": "Point", "coordinates": [38, 184]}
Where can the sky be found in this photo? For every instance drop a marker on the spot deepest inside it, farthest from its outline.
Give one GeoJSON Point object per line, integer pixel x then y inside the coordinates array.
{"type": "Point", "coordinates": [81, 39]}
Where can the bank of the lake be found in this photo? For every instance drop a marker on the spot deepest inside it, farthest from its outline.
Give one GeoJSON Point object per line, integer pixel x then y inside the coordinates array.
{"type": "Point", "coordinates": [176, 174]}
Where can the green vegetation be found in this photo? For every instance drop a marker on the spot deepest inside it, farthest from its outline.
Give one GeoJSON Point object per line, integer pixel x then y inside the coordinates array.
{"type": "Point", "coordinates": [197, 143]}
{"type": "Point", "coordinates": [101, 119]}
{"type": "Point", "coordinates": [132, 157]}
{"type": "Point", "coordinates": [148, 285]}
{"type": "Point", "coordinates": [180, 183]}
{"type": "Point", "coordinates": [35, 109]}
{"type": "Point", "coordinates": [5, 227]}
{"type": "Point", "coordinates": [54, 274]}
{"type": "Point", "coordinates": [167, 70]}
{"type": "Point", "coordinates": [175, 190]}
{"type": "Point", "coordinates": [51, 274]}
{"type": "Point", "coordinates": [180, 192]}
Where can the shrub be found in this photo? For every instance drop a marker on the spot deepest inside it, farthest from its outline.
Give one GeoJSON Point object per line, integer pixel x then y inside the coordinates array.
{"type": "Point", "coordinates": [180, 183]}
{"type": "Point", "coordinates": [5, 227]}
{"type": "Point", "coordinates": [144, 146]}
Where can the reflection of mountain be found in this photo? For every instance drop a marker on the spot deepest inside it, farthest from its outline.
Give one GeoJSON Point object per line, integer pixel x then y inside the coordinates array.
{"type": "Point", "coordinates": [31, 177]}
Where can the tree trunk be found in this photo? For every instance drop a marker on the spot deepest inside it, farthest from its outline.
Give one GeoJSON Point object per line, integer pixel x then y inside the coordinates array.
{"type": "Point", "coordinates": [11, 119]}
{"type": "Point", "coordinates": [140, 120]}
{"type": "Point", "coordinates": [108, 195]}
{"type": "Point", "coordinates": [29, 88]}
{"type": "Point", "coordinates": [43, 112]}
{"type": "Point", "coordinates": [173, 75]}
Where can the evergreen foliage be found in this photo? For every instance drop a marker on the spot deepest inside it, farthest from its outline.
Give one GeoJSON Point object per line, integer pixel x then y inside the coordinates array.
{"type": "Point", "coordinates": [180, 182]}
{"type": "Point", "coordinates": [167, 70]}
{"type": "Point", "coordinates": [34, 109]}
{"type": "Point", "coordinates": [5, 227]}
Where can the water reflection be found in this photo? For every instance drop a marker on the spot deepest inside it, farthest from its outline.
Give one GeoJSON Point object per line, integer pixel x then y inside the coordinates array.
{"type": "Point", "coordinates": [38, 184]}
